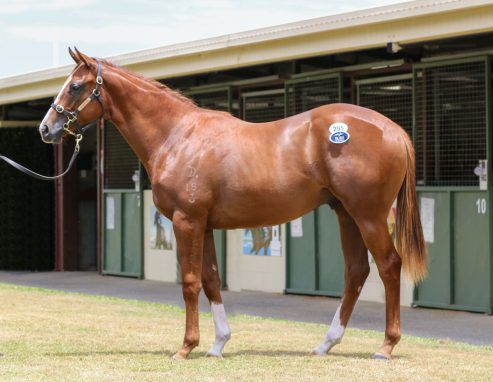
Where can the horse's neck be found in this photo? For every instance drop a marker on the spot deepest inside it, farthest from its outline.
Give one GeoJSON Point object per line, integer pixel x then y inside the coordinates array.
{"type": "Point", "coordinates": [144, 115]}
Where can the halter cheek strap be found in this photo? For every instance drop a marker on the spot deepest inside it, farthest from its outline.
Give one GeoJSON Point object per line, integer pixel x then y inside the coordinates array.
{"type": "Point", "coordinates": [73, 115]}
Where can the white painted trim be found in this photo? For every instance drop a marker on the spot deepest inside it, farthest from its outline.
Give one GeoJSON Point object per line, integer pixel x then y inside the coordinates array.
{"type": "Point", "coordinates": [10, 124]}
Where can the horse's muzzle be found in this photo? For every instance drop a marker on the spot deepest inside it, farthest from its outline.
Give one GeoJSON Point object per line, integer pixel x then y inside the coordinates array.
{"type": "Point", "coordinates": [50, 135]}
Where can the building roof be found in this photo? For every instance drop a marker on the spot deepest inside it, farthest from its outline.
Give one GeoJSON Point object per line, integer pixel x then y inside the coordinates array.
{"type": "Point", "coordinates": [404, 23]}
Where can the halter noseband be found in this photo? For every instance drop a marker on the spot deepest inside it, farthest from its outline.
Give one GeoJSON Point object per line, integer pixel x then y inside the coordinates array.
{"type": "Point", "coordinates": [72, 115]}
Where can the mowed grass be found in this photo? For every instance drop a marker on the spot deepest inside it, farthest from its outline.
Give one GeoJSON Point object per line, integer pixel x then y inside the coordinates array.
{"type": "Point", "coordinates": [53, 336]}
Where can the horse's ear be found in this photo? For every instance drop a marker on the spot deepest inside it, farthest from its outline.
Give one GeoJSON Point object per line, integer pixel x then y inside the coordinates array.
{"type": "Point", "coordinates": [73, 55]}
{"type": "Point", "coordinates": [88, 61]}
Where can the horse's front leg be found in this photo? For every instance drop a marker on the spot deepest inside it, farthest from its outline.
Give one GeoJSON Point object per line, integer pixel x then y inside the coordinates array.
{"type": "Point", "coordinates": [189, 234]}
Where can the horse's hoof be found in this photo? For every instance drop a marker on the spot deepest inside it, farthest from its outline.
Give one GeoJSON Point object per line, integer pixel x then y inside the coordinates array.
{"type": "Point", "coordinates": [381, 356]}
{"type": "Point", "coordinates": [179, 357]}
{"type": "Point", "coordinates": [214, 354]}
{"type": "Point", "coordinates": [318, 353]}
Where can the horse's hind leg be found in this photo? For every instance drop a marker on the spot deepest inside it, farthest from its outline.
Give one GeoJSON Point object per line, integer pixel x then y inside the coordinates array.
{"type": "Point", "coordinates": [212, 288]}
{"type": "Point", "coordinates": [355, 273]}
{"type": "Point", "coordinates": [377, 238]}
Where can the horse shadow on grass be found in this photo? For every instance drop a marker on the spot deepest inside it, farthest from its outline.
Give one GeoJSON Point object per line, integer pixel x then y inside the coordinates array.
{"type": "Point", "coordinates": [292, 353]}
{"type": "Point", "coordinates": [111, 352]}
{"type": "Point", "coordinates": [235, 354]}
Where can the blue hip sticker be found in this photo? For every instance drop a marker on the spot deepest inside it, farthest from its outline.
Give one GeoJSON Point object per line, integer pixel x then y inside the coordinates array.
{"type": "Point", "coordinates": [339, 137]}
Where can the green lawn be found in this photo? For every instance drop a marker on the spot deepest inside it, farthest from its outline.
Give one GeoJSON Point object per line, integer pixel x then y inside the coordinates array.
{"type": "Point", "coordinates": [52, 336]}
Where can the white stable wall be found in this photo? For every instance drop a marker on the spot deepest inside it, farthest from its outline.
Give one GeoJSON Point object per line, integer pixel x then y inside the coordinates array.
{"type": "Point", "coordinates": [374, 290]}
{"type": "Point", "coordinates": [159, 265]}
{"type": "Point", "coordinates": [250, 272]}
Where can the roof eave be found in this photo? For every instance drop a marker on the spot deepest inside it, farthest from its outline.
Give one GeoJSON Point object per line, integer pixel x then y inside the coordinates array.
{"type": "Point", "coordinates": [273, 43]}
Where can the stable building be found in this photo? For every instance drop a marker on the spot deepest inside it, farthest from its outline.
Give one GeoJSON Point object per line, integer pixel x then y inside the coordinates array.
{"type": "Point", "coordinates": [424, 64]}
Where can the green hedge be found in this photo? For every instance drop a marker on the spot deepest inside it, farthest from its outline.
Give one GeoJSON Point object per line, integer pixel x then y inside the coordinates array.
{"type": "Point", "coordinates": [27, 208]}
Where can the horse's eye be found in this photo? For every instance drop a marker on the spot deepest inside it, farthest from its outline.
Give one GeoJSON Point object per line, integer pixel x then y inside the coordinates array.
{"type": "Point", "coordinates": [74, 87]}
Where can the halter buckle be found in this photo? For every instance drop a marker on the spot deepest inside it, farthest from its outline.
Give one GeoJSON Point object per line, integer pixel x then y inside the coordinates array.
{"type": "Point", "coordinates": [67, 130]}
{"type": "Point", "coordinates": [59, 109]}
{"type": "Point", "coordinates": [72, 118]}
{"type": "Point", "coordinates": [99, 80]}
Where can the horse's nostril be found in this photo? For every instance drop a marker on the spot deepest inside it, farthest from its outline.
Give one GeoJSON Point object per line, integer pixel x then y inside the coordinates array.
{"type": "Point", "coordinates": [45, 129]}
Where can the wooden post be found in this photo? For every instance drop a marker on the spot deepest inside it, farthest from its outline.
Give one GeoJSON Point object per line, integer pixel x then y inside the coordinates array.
{"type": "Point", "coordinates": [66, 212]}
{"type": "Point", "coordinates": [100, 186]}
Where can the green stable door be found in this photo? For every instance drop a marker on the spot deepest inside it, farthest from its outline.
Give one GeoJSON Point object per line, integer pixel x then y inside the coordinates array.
{"type": "Point", "coordinates": [452, 126]}
{"type": "Point", "coordinates": [122, 206]}
{"type": "Point", "coordinates": [456, 224]}
{"type": "Point", "coordinates": [315, 260]}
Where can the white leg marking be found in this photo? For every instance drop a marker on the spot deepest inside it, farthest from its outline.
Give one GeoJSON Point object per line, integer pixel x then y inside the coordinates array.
{"type": "Point", "coordinates": [223, 332]}
{"type": "Point", "coordinates": [334, 335]}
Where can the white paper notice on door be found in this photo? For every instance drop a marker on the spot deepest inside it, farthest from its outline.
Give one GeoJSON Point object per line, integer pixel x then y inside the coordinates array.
{"type": "Point", "coordinates": [110, 212]}
{"type": "Point", "coordinates": [275, 244]}
{"type": "Point", "coordinates": [427, 211]}
{"type": "Point", "coordinates": [297, 227]}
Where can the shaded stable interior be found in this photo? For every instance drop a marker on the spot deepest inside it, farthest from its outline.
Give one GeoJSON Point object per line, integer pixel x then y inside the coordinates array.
{"type": "Point", "coordinates": [58, 228]}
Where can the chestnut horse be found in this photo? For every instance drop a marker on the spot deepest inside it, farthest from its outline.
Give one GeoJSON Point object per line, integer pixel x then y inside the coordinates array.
{"type": "Point", "coordinates": [211, 170]}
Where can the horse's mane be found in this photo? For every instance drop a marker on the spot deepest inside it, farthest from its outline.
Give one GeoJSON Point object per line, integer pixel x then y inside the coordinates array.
{"type": "Point", "coordinates": [175, 93]}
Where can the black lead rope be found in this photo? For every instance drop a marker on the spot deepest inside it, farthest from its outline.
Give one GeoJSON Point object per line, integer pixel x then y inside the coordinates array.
{"type": "Point", "coordinates": [78, 135]}
{"type": "Point", "coordinates": [26, 171]}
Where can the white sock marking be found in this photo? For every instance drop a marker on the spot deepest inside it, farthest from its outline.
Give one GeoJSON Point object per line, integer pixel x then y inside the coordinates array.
{"type": "Point", "coordinates": [334, 335]}
{"type": "Point", "coordinates": [223, 332]}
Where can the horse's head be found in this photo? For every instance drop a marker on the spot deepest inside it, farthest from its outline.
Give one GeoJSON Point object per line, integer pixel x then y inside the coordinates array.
{"type": "Point", "coordinates": [77, 103]}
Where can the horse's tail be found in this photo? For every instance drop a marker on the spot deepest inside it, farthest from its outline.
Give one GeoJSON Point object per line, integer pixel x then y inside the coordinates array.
{"type": "Point", "coordinates": [410, 241]}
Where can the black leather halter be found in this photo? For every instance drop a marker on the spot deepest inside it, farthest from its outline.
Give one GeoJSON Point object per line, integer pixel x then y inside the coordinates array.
{"type": "Point", "coordinates": [73, 115]}
{"type": "Point", "coordinates": [71, 119]}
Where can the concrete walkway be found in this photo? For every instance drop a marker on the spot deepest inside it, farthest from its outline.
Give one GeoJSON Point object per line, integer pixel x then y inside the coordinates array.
{"type": "Point", "coordinates": [474, 328]}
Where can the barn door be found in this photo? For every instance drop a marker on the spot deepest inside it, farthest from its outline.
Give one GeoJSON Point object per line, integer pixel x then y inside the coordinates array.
{"type": "Point", "coordinates": [122, 198]}
{"type": "Point", "coordinates": [315, 264]}
{"type": "Point", "coordinates": [452, 135]}
{"type": "Point", "coordinates": [216, 99]}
